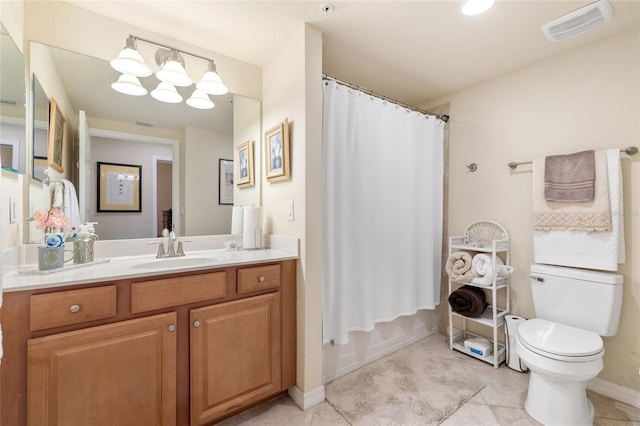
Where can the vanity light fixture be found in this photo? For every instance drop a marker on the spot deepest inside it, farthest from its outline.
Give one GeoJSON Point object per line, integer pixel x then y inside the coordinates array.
{"type": "Point", "coordinates": [211, 81]}
{"type": "Point", "coordinates": [129, 61]}
{"type": "Point", "coordinates": [166, 92]}
{"type": "Point", "coordinates": [129, 85]}
{"type": "Point", "coordinates": [200, 100]}
{"type": "Point", "coordinates": [171, 73]}
{"type": "Point", "coordinates": [476, 7]}
{"type": "Point", "coordinates": [172, 69]}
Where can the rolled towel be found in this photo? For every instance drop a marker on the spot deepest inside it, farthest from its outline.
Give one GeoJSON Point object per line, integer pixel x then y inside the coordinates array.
{"type": "Point", "coordinates": [481, 262]}
{"type": "Point", "coordinates": [503, 270]}
{"type": "Point", "coordinates": [459, 267]}
{"type": "Point", "coordinates": [487, 278]}
{"type": "Point", "coordinates": [468, 301]}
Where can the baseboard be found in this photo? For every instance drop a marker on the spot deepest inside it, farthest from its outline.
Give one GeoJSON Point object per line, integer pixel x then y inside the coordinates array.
{"type": "Point", "coordinates": [306, 400]}
{"type": "Point", "coordinates": [614, 391]}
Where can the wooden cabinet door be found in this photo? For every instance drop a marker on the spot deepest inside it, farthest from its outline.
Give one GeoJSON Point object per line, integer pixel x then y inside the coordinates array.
{"type": "Point", "coordinates": [117, 374]}
{"type": "Point", "coordinates": [235, 356]}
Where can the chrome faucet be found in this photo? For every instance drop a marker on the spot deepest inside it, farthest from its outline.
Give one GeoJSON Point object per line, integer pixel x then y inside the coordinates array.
{"type": "Point", "coordinates": [171, 247]}
{"type": "Point", "coordinates": [171, 241]}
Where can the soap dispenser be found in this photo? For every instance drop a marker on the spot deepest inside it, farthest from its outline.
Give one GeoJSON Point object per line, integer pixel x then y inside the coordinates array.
{"type": "Point", "coordinates": [83, 246]}
{"type": "Point", "coordinates": [91, 228]}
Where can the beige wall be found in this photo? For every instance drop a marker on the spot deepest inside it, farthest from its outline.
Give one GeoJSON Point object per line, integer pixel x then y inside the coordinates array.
{"type": "Point", "coordinates": [292, 90]}
{"type": "Point", "coordinates": [12, 17]}
{"type": "Point", "coordinates": [247, 128]}
{"type": "Point", "coordinates": [585, 99]}
{"type": "Point", "coordinates": [202, 213]}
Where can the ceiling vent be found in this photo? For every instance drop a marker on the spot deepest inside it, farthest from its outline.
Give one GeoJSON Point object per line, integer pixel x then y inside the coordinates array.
{"type": "Point", "coordinates": [145, 123]}
{"type": "Point", "coordinates": [579, 21]}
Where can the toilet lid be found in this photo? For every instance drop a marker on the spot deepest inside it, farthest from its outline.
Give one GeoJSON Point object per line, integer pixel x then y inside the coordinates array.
{"type": "Point", "coordinates": [550, 338]}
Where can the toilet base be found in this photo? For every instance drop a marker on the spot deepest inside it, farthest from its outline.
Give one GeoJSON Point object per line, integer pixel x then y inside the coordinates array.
{"type": "Point", "coordinates": [558, 403]}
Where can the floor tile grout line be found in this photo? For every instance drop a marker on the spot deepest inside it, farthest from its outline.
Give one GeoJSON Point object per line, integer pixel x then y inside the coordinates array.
{"type": "Point", "coordinates": [338, 411]}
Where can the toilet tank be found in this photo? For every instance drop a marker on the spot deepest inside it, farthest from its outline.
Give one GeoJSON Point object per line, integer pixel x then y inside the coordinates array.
{"type": "Point", "coordinates": [591, 300]}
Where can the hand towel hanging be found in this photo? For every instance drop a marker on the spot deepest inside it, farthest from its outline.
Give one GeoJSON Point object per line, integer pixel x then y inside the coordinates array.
{"type": "Point", "coordinates": [570, 178]}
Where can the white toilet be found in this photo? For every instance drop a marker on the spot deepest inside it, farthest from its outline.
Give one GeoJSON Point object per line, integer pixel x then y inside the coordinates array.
{"type": "Point", "coordinates": [562, 346]}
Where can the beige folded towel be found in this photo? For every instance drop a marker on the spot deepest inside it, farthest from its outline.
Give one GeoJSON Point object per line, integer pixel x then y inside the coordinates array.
{"type": "Point", "coordinates": [570, 178]}
{"type": "Point", "coordinates": [459, 267]}
{"type": "Point", "coordinates": [588, 216]}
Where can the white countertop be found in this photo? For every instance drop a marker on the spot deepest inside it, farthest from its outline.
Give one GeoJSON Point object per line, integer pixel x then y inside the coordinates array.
{"type": "Point", "coordinates": [27, 276]}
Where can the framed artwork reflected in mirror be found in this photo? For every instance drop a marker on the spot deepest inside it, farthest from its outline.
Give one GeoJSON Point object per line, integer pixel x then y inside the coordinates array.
{"type": "Point", "coordinates": [57, 129]}
{"type": "Point", "coordinates": [244, 164]}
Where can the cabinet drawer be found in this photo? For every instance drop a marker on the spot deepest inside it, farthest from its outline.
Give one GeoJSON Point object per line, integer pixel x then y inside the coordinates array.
{"type": "Point", "coordinates": [72, 307]}
{"type": "Point", "coordinates": [164, 293]}
{"type": "Point", "coordinates": [258, 278]}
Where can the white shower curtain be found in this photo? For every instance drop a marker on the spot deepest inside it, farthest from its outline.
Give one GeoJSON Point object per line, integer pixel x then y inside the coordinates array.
{"type": "Point", "coordinates": [382, 217]}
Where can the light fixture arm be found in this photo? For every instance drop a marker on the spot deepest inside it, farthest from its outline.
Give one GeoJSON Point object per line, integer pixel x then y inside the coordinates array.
{"type": "Point", "coordinates": [168, 47]}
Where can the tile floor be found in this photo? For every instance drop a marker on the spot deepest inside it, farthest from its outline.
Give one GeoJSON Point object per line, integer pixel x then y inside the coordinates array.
{"type": "Point", "coordinates": [500, 402]}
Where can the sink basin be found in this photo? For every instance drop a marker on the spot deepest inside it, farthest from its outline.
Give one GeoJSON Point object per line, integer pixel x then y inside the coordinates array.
{"type": "Point", "coordinates": [174, 262]}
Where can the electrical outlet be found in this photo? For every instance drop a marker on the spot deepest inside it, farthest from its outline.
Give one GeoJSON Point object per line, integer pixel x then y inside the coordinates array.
{"type": "Point", "coordinates": [290, 210]}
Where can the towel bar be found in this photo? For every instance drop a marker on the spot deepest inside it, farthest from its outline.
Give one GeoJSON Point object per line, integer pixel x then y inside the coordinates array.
{"type": "Point", "coordinates": [630, 150]}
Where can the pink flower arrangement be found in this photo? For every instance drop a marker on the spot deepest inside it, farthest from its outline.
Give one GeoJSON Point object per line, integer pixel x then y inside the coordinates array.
{"type": "Point", "coordinates": [52, 218]}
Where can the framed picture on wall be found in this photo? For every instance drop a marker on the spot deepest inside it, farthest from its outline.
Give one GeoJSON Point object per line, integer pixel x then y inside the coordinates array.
{"type": "Point", "coordinates": [244, 164]}
{"type": "Point", "coordinates": [225, 182]}
{"type": "Point", "coordinates": [276, 148]}
{"type": "Point", "coordinates": [57, 129]}
{"type": "Point", "coordinates": [119, 188]}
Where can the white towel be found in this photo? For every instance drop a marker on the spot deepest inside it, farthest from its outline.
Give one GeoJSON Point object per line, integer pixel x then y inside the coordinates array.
{"type": "Point", "coordinates": [487, 278]}
{"type": "Point", "coordinates": [483, 270]}
{"type": "Point", "coordinates": [592, 250]}
{"type": "Point", "coordinates": [64, 195]}
{"type": "Point", "coordinates": [480, 263]}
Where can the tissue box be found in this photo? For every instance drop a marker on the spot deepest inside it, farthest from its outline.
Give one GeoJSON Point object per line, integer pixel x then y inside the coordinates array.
{"type": "Point", "coordinates": [478, 346]}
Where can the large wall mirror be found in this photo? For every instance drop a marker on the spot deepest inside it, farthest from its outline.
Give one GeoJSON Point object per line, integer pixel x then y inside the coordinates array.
{"type": "Point", "coordinates": [176, 148]}
{"type": "Point", "coordinates": [12, 105]}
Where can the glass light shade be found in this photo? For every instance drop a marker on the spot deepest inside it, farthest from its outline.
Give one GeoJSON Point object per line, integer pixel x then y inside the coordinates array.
{"type": "Point", "coordinates": [129, 85]}
{"type": "Point", "coordinates": [212, 84]}
{"type": "Point", "coordinates": [199, 99]}
{"type": "Point", "coordinates": [173, 72]}
{"type": "Point", "coordinates": [211, 81]}
{"type": "Point", "coordinates": [475, 7]}
{"type": "Point", "coordinates": [165, 92]}
{"type": "Point", "coordinates": [129, 61]}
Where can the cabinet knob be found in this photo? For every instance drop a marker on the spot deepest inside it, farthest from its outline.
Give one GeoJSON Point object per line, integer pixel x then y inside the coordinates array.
{"type": "Point", "coordinates": [75, 308]}
{"type": "Point", "coordinates": [261, 278]}
{"type": "Point", "coordinates": [196, 324]}
{"type": "Point", "coordinates": [172, 328]}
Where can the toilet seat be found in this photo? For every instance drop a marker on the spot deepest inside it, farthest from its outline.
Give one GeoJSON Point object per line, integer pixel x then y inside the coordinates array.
{"type": "Point", "coordinates": [559, 341]}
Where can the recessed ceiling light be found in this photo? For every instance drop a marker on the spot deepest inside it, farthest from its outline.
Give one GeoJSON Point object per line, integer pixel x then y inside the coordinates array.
{"type": "Point", "coordinates": [475, 7]}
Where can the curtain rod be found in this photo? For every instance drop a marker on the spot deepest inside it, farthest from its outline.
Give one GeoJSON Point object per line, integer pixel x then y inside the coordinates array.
{"type": "Point", "coordinates": [630, 150]}
{"type": "Point", "coordinates": [442, 117]}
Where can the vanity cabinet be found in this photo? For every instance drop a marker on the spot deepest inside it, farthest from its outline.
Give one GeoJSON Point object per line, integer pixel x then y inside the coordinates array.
{"type": "Point", "coordinates": [181, 349]}
{"type": "Point", "coordinates": [235, 355]}
{"type": "Point", "coordinates": [116, 374]}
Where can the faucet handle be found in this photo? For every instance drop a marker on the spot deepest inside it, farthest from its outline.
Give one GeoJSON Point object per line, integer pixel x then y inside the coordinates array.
{"type": "Point", "coordinates": [180, 251]}
{"type": "Point", "coordinates": [161, 252]}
